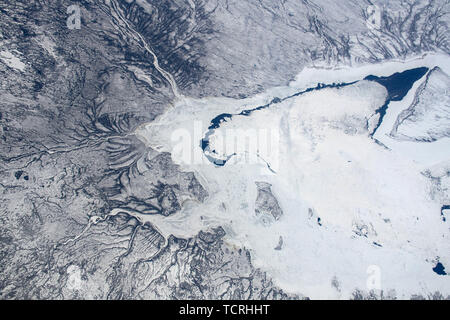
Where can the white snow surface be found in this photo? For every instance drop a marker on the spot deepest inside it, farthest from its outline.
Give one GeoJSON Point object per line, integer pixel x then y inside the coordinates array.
{"type": "Point", "coordinates": [11, 60]}
{"type": "Point", "coordinates": [428, 118]}
{"type": "Point", "coordinates": [326, 165]}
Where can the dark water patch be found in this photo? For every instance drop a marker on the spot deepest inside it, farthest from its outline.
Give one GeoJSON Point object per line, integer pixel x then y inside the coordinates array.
{"type": "Point", "coordinates": [276, 100]}
{"type": "Point", "coordinates": [215, 123]}
{"type": "Point", "coordinates": [440, 269]}
{"type": "Point", "coordinates": [18, 174]}
{"type": "Point", "coordinates": [444, 207]}
{"type": "Point", "coordinates": [38, 86]}
{"type": "Point", "coordinates": [377, 244]}
{"type": "Point", "coordinates": [398, 86]}
{"type": "Point", "coordinates": [382, 112]}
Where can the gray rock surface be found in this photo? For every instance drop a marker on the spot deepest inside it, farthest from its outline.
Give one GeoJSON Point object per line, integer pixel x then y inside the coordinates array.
{"type": "Point", "coordinates": [266, 205]}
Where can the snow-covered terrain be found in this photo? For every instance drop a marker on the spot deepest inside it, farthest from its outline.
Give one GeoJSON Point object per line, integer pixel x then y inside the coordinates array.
{"type": "Point", "coordinates": [427, 118]}
{"type": "Point", "coordinates": [350, 201]}
{"type": "Point", "coordinates": [224, 149]}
